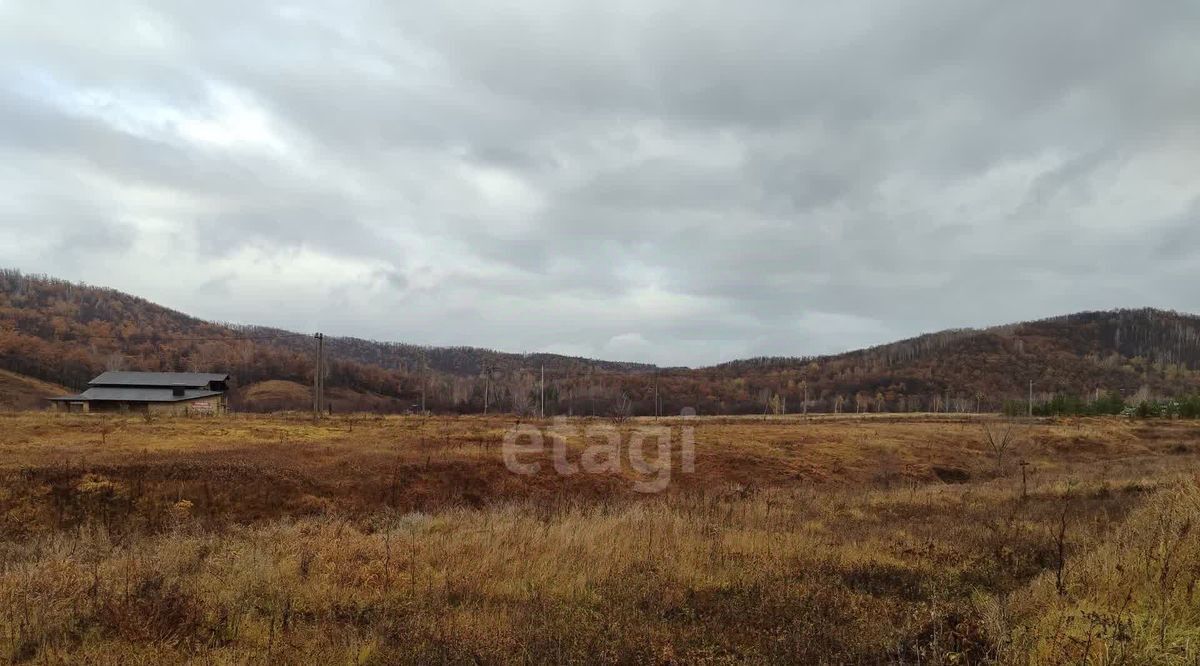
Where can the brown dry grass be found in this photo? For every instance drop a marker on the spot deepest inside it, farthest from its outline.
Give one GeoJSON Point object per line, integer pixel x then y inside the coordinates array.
{"type": "Point", "coordinates": [21, 392]}
{"type": "Point", "coordinates": [278, 390]}
{"type": "Point", "coordinates": [381, 540]}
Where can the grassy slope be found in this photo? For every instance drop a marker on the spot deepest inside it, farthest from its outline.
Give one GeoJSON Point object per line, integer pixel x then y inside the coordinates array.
{"type": "Point", "coordinates": [277, 395]}
{"type": "Point", "coordinates": [21, 392]}
{"type": "Point", "coordinates": [274, 395]}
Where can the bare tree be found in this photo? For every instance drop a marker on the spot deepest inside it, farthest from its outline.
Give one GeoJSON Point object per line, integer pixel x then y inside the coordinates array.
{"type": "Point", "coordinates": [115, 361]}
{"type": "Point", "coordinates": [776, 404]}
{"type": "Point", "coordinates": [999, 439]}
{"type": "Point", "coordinates": [522, 393]}
{"type": "Point", "coordinates": [623, 409]}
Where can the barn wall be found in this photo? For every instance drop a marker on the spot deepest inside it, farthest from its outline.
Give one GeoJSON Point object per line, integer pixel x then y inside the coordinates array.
{"type": "Point", "coordinates": [211, 406]}
{"type": "Point", "coordinates": [76, 407]}
{"type": "Point", "coordinates": [106, 407]}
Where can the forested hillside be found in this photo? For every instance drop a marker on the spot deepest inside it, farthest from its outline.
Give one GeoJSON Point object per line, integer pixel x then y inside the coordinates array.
{"type": "Point", "coordinates": [1137, 353]}
{"type": "Point", "coordinates": [66, 333]}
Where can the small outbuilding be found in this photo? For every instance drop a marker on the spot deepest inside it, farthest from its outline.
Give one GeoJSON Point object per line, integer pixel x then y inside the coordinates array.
{"type": "Point", "coordinates": [151, 393]}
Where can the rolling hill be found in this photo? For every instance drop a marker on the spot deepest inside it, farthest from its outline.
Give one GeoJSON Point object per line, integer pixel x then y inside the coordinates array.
{"type": "Point", "coordinates": [61, 332]}
{"type": "Point", "coordinates": [21, 392]}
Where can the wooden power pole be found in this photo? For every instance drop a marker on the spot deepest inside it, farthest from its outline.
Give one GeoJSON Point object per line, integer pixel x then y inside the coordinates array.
{"type": "Point", "coordinates": [656, 394]}
{"type": "Point", "coordinates": [542, 394]}
{"type": "Point", "coordinates": [487, 385]}
{"type": "Point", "coordinates": [319, 377]}
{"type": "Point", "coordinates": [1031, 398]}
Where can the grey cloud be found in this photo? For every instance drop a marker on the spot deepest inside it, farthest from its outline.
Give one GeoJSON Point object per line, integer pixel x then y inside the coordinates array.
{"type": "Point", "coordinates": [774, 177]}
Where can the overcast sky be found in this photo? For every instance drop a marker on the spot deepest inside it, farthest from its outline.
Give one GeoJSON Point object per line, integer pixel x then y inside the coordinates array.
{"type": "Point", "coordinates": [675, 182]}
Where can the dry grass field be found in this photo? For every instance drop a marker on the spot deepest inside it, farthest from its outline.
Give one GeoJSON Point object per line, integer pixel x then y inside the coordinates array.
{"type": "Point", "coordinates": [370, 540]}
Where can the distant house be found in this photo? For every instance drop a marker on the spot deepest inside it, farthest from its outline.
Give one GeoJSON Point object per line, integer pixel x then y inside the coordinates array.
{"type": "Point", "coordinates": [151, 392]}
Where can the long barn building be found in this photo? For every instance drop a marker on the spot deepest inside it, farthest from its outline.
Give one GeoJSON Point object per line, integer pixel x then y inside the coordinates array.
{"type": "Point", "coordinates": [151, 392]}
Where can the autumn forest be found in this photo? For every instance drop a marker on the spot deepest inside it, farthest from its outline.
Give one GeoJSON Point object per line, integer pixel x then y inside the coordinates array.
{"type": "Point", "coordinates": [65, 333]}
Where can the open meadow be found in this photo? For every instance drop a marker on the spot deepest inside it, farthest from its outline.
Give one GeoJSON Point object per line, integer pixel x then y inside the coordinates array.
{"type": "Point", "coordinates": [364, 540]}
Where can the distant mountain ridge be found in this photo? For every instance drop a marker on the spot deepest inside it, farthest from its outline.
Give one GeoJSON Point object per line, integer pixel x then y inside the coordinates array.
{"type": "Point", "coordinates": [62, 332]}
{"type": "Point", "coordinates": [1158, 336]}
{"type": "Point", "coordinates": [1127, 350]}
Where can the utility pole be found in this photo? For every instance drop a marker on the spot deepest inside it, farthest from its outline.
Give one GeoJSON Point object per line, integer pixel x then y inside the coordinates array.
{"type": "Point", "coordinates": [806, 398]}
{"type": "Point", "coordinates": [542, 394]}
{"type": "Point", "coordinates": [424, 378]}
{"type": "Point", "coordinates": [487, 384]}
{"type": "Point", "coordinates": [318, 377]}
{"type": "Point", "coordinates": [655, 394]}
{"type": "Point", "coordinates": [1031, 398]}
{"type": "Point", "coordinates": [321, 368]}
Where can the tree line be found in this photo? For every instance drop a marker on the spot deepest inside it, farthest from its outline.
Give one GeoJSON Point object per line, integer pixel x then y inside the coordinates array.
{"type": "Point", "coordinates": [1110, 404]}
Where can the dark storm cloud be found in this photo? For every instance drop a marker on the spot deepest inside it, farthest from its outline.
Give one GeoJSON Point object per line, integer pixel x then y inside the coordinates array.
{"type": "Point", "coordinates": [673, 181]}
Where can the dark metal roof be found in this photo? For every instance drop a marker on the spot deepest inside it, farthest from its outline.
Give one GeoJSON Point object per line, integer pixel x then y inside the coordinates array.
{"type": "Point", "coordinates": [136, 395]}
{"type": "Point", "coordinates": [194, 379]}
